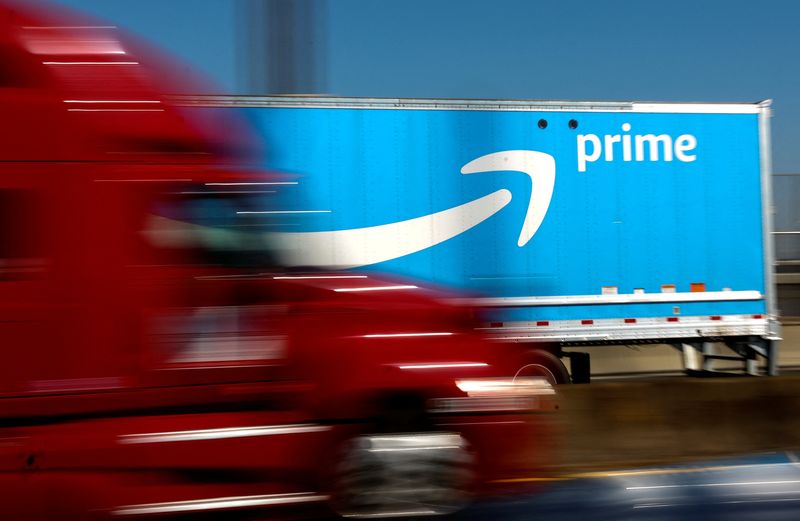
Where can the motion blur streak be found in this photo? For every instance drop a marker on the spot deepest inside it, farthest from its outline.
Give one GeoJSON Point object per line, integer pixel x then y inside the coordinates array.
{"type": "Point", "coordinates": [731, 490]}
{"type": "Point", "coordinates": [219, 434]}
{"type": "Point", "coordinates": [270, 212]}
{"type": "Point", "coordinates": [745, 484]}
{"type": "Point", "coordinates": [404, 335]}
{"type": "Point", "coordinates": [115, 110]}
{"type": "Point", "coordinates": [376, 288]}
{"type": "Point", "coordinates": [318, 277]}
{"type": "Point", "coordinates": [253, 184]}
{"type": "Point", "coordinates": [443, 365]}
{"type": "Point", "coordinates": [90, 63]}
{"type": "Point", "coordinates": [109, 101]}
{"type": "Point", "coordinates": [520, 386]}
{"type": "Point", "coordinates": [221, 503]}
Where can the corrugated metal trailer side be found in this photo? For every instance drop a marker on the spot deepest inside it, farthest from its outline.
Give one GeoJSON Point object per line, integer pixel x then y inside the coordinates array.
{"type": "Point", "coordinates": [579, 223]}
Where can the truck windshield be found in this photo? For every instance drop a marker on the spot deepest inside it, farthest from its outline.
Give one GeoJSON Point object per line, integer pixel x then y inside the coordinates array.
{"type": "Point", "coordinates": [215, 228]}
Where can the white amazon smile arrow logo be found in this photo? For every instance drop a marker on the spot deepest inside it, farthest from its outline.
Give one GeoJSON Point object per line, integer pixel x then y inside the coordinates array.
{"type": "Point", "coordinates": [364, 246]}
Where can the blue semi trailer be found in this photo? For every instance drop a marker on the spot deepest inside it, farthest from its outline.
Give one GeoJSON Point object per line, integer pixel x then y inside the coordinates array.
{"type": "Point", "coordinates": [574, 223]}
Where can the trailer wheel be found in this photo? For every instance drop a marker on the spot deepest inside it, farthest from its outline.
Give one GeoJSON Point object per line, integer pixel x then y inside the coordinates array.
{"type": "Point", "coordinates": [546, 365]}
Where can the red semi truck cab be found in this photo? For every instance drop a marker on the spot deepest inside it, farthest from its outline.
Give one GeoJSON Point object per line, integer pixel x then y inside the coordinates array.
{"type": "Point", "coordinates": [158, 361]}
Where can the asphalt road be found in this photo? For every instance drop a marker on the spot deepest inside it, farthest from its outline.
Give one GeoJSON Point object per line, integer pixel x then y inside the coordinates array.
{"type": "Point", "coordinates": [758, 488]}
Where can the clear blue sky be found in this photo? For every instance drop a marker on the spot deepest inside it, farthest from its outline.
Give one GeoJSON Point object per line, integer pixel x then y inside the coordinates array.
{"type": "Point", "coordinates": [681, 50]}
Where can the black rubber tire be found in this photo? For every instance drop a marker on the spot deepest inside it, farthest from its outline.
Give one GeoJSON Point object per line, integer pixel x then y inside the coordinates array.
{"type": "Point", "coordinates": [422, 483]}
{"type": "Point", "coordinates": [544, 364]}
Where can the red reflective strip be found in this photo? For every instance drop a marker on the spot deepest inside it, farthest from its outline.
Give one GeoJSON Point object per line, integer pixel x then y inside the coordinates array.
{"type": "Point", "coordinates": [630, 320]}
{"type": "Point", "coordinates": [496, 324]}
{"type": "Point", "coordinates": [587, 322]}
{"type": "Point", "coordinates": [672, 319]}
{"type": "Point", "coordinates": [758, 316]}
{"type": "Point", "coordinates": [716, 317]}
{"type": "Point", "coordinates": [543, 323]}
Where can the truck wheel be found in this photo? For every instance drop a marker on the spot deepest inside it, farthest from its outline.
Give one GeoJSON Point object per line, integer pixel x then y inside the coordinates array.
{"type": "Point", "coordinates": [400, 475]}
{"type": "Point", "coordinates": [546, 365]}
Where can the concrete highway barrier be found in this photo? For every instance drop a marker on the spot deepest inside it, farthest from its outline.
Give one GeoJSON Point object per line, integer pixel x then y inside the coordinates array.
{"type": "Point", "coordinates": [646, 423]}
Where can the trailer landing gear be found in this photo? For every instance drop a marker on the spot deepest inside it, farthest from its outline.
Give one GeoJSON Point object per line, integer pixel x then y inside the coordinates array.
{"type": "Point", "coordinates": [700, 356]}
